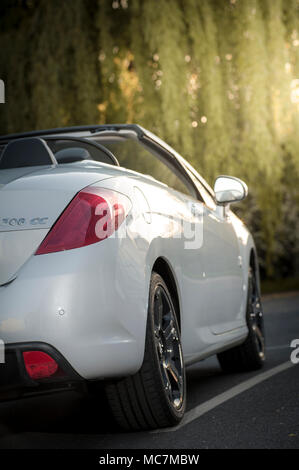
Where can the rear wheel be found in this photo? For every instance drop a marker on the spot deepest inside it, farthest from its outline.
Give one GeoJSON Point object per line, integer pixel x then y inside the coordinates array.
{"type": "Point", "coordinates": [156, 395]}
{"type": "Point", "coordinates": [251, 354]}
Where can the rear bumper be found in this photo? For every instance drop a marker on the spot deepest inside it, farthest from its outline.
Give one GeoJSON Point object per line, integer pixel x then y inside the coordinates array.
{"type": "Point", "coordinates": [90, 304]}
{"type": "Point", "coordinates": [15, 381]}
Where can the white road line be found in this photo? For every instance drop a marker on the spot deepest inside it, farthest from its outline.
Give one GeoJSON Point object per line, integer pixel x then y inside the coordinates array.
{"type": "Point", "coordinates": [274, 348]}
{"type": "Point", "coordinates": [223, 397]}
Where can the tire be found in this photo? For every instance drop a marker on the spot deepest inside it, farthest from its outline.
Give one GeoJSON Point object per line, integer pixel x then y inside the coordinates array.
{"type": "Point", "coordinates": [155, 396]}
{"type": "Point", "coordinates": [251, 354]}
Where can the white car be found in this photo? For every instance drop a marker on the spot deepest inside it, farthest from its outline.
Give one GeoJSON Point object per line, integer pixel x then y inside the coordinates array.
{"type": "Point", "coordinates": [119, 264]}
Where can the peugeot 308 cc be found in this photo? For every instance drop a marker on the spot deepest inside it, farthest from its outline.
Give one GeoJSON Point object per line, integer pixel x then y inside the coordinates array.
{"type": "Point", "coordinates": [120, 265]}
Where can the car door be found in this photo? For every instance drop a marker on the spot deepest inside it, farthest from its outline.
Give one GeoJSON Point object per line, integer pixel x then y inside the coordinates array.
{"type": "Point", "coordinates": [177, 201]}
{"type": "Point", "coordinates": [222, 266]}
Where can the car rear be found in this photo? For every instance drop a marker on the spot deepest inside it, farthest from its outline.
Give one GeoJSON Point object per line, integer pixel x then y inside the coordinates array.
{"type": "Point", "coordinates": [61, 318]}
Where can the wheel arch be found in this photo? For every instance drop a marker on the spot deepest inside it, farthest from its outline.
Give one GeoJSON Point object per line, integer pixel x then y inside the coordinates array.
{"type": "Point", "coordinates": [254, 264]}
{"type": "Point", "coordinates": [163, 268]}
{"type": "Point", "coordinates": [252, 259]}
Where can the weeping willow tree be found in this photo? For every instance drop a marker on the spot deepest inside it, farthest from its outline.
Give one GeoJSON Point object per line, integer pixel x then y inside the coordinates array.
{"type": "Point", "coordinates": [217, 79]}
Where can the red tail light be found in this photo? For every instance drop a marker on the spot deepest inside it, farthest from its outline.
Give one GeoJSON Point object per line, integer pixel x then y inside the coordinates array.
{"type": "Point", "coordinates": [39, 365]}
{"type": "Point", "coordinates": [93, 215]}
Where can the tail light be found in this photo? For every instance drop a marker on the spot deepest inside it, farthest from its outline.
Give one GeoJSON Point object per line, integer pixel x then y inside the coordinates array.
{"type": "Point", "coordinates": [39, 365]}
{"type": "Point", "coordinates": [93, 215]}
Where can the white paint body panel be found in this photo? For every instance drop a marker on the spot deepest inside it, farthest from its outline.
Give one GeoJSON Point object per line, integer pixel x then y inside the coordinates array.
{"type": "Point", "coordinates": [103, 288]}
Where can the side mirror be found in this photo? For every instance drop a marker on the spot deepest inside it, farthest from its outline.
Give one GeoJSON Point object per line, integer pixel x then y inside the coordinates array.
{"type": "Point", "coordinates": [229, 189]}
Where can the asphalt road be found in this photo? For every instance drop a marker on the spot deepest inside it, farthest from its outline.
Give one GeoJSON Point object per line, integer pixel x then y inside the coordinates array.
{"type": "Point", "coordinates": [265, 415]}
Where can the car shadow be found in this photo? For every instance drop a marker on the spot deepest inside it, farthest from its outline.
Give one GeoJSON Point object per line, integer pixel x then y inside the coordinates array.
{"type": "Point", "coordinates": [74, 413]}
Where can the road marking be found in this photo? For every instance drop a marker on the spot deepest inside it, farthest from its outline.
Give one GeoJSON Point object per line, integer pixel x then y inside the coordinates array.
{"type": "Point", "coordinates": [209, 405]}
{"type": "Point", "coordinates": [274, 348]}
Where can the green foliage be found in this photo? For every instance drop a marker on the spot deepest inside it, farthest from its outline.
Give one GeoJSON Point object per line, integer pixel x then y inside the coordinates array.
{"type": "Point", "coordinates": [217, 79]}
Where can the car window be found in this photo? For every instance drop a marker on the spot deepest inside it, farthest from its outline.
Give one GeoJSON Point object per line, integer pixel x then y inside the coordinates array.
{"type": "Point", "coordinates": [209, 201]}
{"type": "Point", "coordinates": [199, 178]}
{"type": "Point", "coordinates": [134, 156]}
{"type": "Point", "coordinates": [205, 194]}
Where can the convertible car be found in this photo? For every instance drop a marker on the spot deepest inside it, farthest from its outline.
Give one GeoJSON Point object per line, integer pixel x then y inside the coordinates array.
{"type": "Point", "coordinates": [120, 265]}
